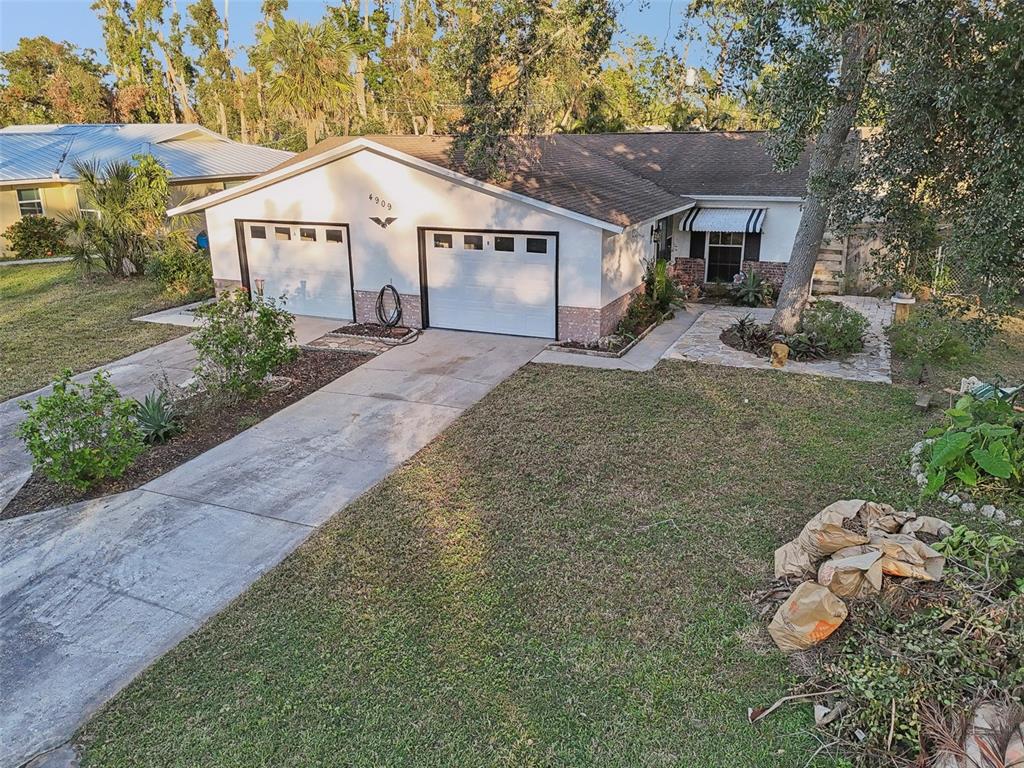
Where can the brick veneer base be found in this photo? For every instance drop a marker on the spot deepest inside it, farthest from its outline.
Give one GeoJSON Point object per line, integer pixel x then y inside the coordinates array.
{"type": "Point", "coordinates": [590, 324]}
{"type": "Point", "coordinates": [692, 270]}
{"type": "Point", "coordinates": [220, 285]}
{"type": "Point", "coordinates": [366, 308]}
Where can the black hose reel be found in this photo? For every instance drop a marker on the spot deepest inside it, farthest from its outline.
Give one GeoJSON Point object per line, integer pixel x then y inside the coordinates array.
{"type": "Point", "coordinates": [389, 306]}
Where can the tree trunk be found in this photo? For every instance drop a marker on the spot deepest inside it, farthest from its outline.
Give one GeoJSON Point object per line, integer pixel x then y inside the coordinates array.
{"type": "Point", "coordinates": [859, 53]}
{"type": "Point", "coordinates": [177, 84]}
{"type": "Point", "coordinates": [222, 118]}
{"type": "Point", "coordinates": [310, 132]}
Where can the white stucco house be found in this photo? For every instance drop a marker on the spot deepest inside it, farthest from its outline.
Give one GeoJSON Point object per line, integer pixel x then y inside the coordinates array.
{"type": "Point", "coordinates": [555, 249]}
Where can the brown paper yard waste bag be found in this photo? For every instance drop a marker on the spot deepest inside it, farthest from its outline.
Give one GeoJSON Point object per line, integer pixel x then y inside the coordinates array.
{"type": "Point", "coordinates": [904, 555]}
{"type": "Point", "coordinates": [821, 536]}
{"type": "Point", "coordinates": [853, 572]}
{"type": "Point", "coordinates": [808, 616]}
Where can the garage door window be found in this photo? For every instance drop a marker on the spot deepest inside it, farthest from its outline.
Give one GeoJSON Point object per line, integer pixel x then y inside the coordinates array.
{"type": "Point", "coordinates": [536, 245]}
{"type": "Point", "coordinates": [442, 241]}
{"type": "Point", "coordinates": [282, 233]}
{"type": "Point", "coordinates": [258, 233]}
{"type": "Point", "coordinates": [473, 242]}
{"type": "Point", "coordinates": [335, 236]}
{"type": "Point", "coordinates": [307, 235]}
{"type": "Point", "coordinates": [504, 244]}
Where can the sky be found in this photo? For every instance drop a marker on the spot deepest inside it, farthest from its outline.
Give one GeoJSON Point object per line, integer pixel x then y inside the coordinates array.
{"type": "Point", "coordinates": [75, 22]}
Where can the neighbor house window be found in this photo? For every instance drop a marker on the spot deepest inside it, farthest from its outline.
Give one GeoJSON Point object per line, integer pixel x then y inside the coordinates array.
{"type": "Point", "coordinates": [30, 202]}
{"type": "Point", "coordinates": [536, 245]}
{"type": "Point", "coordinates": [334, 235]}
{"type": "Point", "coordinates": [258, 233]}
{"type": "Point", "coordinates": [724, 255]}
{"type": "Point", "coordinates": [504, 243]}
{"type": "Point", "coordinates": [282, 233]}
{"type": "Point", "coordinates": [83, 207]}
{"type": "Point", "coordinates": [473, 242]}
{"type": "Point", "coordinates": [442, 241]}
{"type": "Point", "coordinates": [307, 235]}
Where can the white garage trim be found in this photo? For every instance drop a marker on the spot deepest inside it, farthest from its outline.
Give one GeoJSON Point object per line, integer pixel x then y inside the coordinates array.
{"type": "Point", "coordinates": [421, 233]}
{"type": "Point", "coordinates": [243, 258]}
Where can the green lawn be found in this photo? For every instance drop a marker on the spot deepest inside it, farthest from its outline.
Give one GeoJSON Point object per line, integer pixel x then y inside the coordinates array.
{"type": "Point", "coordinates": [54, 319]}
{"type": "Point", "coordinates": [558, 579]}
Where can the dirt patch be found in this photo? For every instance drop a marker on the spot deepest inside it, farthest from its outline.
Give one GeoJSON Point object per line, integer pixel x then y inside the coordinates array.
{"type": "Point", "coordinates": [375, 330]}
{"type": "Point", "coordinates": [205, 425]}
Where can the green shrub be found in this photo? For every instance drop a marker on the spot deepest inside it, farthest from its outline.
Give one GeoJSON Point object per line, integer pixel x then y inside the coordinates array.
{"type": "Point", "coordinates": [36, 237]}
{"type": "Point", "coordinates": [641, 313]}
{"type": "Point", "coordinates": [240, 341]}
{"type": "Point", "coordinates": [838, 327]}
{"type": "Point", "coordinates": [982, 448]}
{"type": "Point", "coordinates": [928, 337]}
{"type": "Point", "coordinates": [157, 418]}
{"type": "Point", "coordinates": [80, 435]}
{"type": "Point", "coordinates": [752, 291]}
{"type": "Point", "coordinates": [183, 270]}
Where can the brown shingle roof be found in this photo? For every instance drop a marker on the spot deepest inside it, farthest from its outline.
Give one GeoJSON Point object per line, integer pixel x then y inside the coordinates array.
{"type": "Point", "coordinates": [619, 178]}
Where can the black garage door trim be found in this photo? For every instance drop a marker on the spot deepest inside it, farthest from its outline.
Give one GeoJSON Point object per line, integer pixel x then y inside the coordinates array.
{"type": "Point", "coordinates": [421, 237]}
{"type": "Point", "coordinates": [243, 257]}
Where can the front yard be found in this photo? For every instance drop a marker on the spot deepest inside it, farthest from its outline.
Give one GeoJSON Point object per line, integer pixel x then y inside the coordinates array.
{"type": "Point", "coordinates": [52, 319]}
{"type": "Point", "coordinates": [559, 579]}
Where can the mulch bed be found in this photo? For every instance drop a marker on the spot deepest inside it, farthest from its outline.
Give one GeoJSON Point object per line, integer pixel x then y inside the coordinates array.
{"type": "Point", "coordinates": [205, 426]}
{"type": "Point", "coordinates": [375, 330]}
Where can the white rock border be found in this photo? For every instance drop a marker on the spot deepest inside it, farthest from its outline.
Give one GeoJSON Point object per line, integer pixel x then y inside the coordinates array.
{"type": "Point", "coordinates": [961, 500]}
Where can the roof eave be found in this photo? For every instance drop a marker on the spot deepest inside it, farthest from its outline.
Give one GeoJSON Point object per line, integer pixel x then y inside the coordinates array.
{"type": "Point", "coordinates": [360, 144]}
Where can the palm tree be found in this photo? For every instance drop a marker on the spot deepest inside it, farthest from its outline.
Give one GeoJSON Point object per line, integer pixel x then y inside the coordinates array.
{"type": "Point", "coordinates": [310, 79]}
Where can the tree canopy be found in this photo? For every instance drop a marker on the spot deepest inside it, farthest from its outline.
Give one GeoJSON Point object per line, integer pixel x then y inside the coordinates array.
{"type": "Point", "coordinates": [481, 68]}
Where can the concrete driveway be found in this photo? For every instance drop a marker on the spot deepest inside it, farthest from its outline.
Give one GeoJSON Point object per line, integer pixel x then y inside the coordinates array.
{"type": "Point", "coordinates": [95, 592]}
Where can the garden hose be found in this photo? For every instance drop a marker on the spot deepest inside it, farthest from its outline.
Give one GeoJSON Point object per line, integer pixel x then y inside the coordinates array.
{"type": "Point", "coordinates": [390, 319]}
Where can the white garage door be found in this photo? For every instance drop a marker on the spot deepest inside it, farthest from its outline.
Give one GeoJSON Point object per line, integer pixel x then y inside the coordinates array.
{"type": "Point", "coordinates": [500, 282]}
{"type": "Point", "coordinates": [308, 264]}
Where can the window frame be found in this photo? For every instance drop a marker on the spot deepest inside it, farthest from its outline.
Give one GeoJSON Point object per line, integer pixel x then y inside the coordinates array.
{"type": "Point", "coordinates": [443, 240]}
{"type": "Point", "coordinates": [334, 235]}
{"type": "Point", "coordinates": [510, 238]}
{"type": "Point", "coordinates": [307, 234]}
{"type": "Point", "coordinates": [477, 240]}
{"type": "Point", "coordinates": [38, 201]}
{"type": "Point", "coordinates": [286, 231]}
{"type": "Point", "coordinates": [542, 240]}
{"type": "Point", "coordinates": [708, 245]}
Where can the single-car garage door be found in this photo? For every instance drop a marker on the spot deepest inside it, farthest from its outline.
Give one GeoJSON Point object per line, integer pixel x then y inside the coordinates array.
{"type": "Point", "coordinates": [496, 282]}
{"type": "Point", "coordinates": [308, 264]}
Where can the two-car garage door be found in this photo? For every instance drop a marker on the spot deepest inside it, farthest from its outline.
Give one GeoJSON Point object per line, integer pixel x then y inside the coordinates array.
{"type": "Point", "coordinates": [306, 263]}
{"type": "Point", "coordinates": [496, 282]}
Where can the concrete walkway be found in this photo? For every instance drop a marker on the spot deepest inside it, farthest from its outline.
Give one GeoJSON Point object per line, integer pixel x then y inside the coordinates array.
{"type": "Point", "coordinates": [701, 343]}
{"type": "Point", "coordinates": [644, 356]}
{"type": "Point", "coordinates": [95, 592]}
{"type": "Point", "coordinates": [135, 376]}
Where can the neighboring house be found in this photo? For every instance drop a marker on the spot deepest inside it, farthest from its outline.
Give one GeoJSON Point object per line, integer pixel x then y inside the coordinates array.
{"type": "Point", "coordinates": [556, 249]}
{"type": "Point", "coordinates": [36, 162]}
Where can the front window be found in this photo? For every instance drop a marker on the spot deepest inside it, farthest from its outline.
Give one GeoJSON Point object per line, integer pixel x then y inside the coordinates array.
{"type": "Point", "coordinates": [30, 202]}
{"type": "Point", "coordinates": [83, 207]}
{"type": "Point", "coordinates": [725, 255]}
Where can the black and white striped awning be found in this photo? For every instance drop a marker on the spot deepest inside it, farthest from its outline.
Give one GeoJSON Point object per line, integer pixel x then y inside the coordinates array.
{"type": "Point", "coordinates": [749, 220]}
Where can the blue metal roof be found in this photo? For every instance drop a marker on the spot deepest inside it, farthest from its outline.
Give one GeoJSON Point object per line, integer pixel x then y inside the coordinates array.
{"type": "Point", "coordinates": [44, 152]}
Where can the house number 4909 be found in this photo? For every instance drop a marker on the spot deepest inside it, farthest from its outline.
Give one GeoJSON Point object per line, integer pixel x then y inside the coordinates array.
{"type": "Point", "coordinates": [376, 199]}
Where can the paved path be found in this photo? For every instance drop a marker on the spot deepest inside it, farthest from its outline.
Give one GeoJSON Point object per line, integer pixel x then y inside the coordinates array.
{"type": "Point", "coordinates": [644, 356]}
{"type": "Point", "coordinates": [135, 376]}
{"type": "Point", "coordinates": [701, 343]}
{"type": "Point", "coordinates": [95, 592]}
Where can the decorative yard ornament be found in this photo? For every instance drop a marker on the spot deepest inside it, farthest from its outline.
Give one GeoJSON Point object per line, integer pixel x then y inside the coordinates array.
{"type": "Point", "coordinates": [780, 353]}
{"type": "Point", "coordinates": [383, 223]}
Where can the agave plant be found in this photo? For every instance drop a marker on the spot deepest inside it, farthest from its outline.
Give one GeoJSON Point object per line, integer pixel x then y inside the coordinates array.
{"type": "Point", "coordinates": [752, 291]}
{"type": "Point", "coordinates": [157, 418]}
